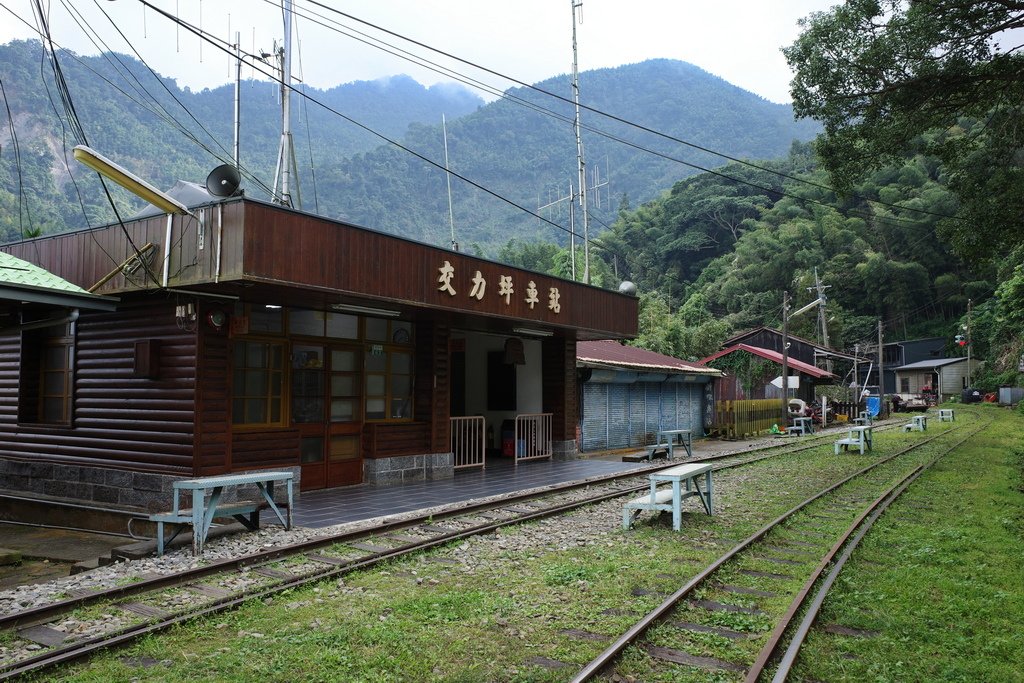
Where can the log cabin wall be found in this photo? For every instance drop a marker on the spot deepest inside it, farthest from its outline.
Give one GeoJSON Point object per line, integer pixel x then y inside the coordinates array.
{"type": "Point", "coordinates": [404, 452]}
{"type": "Point", "coordinates": [213, 444]}
{"type": "Point", "coordinates": [433, 377]}
{"type": "Point", "coordinates": [132, 412]}
{"type": "Point", "coordinates": [560, 394]}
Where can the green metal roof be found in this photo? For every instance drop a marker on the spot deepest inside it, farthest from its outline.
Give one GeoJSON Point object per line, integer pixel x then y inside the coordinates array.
{"type": "Point", "coordinates": [24, 283]}
{"type": "Point", "coordinates": [15, 271]}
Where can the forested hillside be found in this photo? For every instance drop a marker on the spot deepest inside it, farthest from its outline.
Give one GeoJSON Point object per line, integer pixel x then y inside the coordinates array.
{"type": "Point", "coordinates": [922, 139]}
{"type": "Point", "coordinates": [523, 148]}
{"type": "Point", "coordinates": [520, 149]}
{"type": "Point", "coordinates": [164, 134]}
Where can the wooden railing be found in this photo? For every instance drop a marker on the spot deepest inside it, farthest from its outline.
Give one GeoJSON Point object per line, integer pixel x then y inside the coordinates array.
{"type": "Point", "coordinates": [468, 447]}
{"type": "Point", "coordinates": [736, 419]}
{"type": "Point", "coordinates": [533, 436]}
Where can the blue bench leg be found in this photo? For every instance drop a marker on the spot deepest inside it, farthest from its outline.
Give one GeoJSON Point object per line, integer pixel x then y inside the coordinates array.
{"type": "Point", "coordinates": [677, 505]}
{"type": "Point", "coordinates": [159, 539]}
{"type": "Point", "coordinates": [708, 485]}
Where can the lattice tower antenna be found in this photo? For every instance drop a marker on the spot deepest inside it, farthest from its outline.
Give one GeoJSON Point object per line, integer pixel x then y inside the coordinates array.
{"type": "Point", "coordinates": [286, 174]}
{"type": "Point", "coordinates": [572, 224]}
{"type": "Point", "coordinates": [581, 164]}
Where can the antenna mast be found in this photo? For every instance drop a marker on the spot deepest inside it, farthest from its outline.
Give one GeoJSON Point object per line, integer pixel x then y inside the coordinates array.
{"type": "Point", "coordinates": [287, 171]}
{"type": "Point", "coordinates": [448, 175]}
{"type": "Point", "coordinates": [572, 224]}
{"type": "Point", "coordinates": [581, 165]}
{"type": "Point", "coordinates": [238, 87]}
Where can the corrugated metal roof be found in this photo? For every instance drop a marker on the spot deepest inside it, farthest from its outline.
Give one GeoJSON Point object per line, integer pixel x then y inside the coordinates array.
{"type": "Point", "coordinates": [612, 353]}
{"type": "Point", "coordinates": [15, 271]}
{"type": "Point", "coordinates": [934, 363]}
{"type": "Point", "coordinates": [773, 356]}
{"type": "Point", "coordinates": [818, 348]}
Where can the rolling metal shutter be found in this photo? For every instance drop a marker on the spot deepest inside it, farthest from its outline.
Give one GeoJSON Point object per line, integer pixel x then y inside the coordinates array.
{"type": "Point", "coordinates": [594, 431]}
{"type": "Point", "coordinates": [637, 415]}
{"type": "Point", "coordinates": [617, 420]}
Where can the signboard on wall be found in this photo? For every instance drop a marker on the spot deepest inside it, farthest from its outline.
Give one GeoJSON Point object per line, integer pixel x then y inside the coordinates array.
{"type": "Point", "coordinates": [794, 381]}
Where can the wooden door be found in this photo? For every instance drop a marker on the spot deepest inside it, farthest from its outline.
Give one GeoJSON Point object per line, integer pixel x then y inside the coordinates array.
{"type": "Point", "coordinates": [326, 406]}
{"type": "Point", "coordinates": [344, 423]}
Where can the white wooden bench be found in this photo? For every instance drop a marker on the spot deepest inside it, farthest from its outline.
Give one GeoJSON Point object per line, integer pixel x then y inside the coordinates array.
{"type": "Point", "coordinates": [918, 423]}
{"type": "Point", "coordinates": [802, 426]}
{"type": "Point", "coordinates": [672, 497]}
{"type": "Point", "coordinates": [659, 450]}
{"type": "Point", "coordinates": [946, 415]}
{"type": "Point", "coordinates": [204, 510]}
{"type": "Point", "coordinates": [674, 437]}
{"type": "Point", "coordinates": [859, 436]}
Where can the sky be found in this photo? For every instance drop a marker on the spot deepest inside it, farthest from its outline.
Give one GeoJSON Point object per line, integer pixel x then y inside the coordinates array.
{"type": "Point", "coordinates": [528, 40]}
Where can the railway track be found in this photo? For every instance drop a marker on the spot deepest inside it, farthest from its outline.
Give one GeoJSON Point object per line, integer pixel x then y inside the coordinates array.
{"type": "Point", "coordinates": [814, 537]}
{"type": "Point", "coordinates": [153, 603]}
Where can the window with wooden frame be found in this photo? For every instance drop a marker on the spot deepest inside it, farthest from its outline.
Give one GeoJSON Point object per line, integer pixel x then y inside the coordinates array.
{"type": "Point", "coordinates": [388, 383]}
{"type": "Point", "coordinates": [258, 380]}
{"type": "Point", "coordinates": [47, 375]}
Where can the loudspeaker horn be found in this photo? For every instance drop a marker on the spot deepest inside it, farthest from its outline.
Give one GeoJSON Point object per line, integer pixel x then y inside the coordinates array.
{"type": "Point", "coordinates": [223, 181]}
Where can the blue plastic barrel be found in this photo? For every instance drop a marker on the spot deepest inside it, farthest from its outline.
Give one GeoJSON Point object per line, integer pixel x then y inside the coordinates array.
{"type": "Point", "coordinates": [873, 405]}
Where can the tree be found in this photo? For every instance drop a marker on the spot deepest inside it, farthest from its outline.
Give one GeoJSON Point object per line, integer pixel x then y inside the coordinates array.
{"type": "Point", "coordinates": [889, 77]}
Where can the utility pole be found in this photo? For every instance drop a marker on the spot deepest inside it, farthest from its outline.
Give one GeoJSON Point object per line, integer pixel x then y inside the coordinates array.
{"type": "Point", "coordinates": [572, 224]}
{"type": "Point", "coordinates": [856, 357]}
{"type": "Point", "coordinates": [822, 318]}
{"type": "Point", "coordinates": [581, 165]}
{"type": "Point", "coordinates": [968, 342]}
{"type": "Point", "coordinates": [785, 360]}
{"type": "Point", "coordinates": [881, 374]}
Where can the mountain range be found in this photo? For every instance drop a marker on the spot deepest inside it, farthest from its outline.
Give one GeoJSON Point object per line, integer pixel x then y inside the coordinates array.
{"type": "Point", "coordinates": [373, 153]}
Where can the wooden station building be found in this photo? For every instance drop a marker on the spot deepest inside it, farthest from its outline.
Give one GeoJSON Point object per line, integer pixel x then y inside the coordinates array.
{"type": "Point", "coordinates": [248, 335]}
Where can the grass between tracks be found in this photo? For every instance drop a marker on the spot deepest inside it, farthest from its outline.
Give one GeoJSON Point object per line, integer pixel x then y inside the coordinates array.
{"type": "Point", "coordinates": [941, 583]}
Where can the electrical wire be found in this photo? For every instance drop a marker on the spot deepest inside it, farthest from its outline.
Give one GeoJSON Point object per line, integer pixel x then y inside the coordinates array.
{"type": "Point", "coordinates": [23, 208]}
{"type": "Point", "coordinates": [374, 42]}
{"type": "Point", "coordinates": [641, 148]}
{"type": "Point", "coordinates": [594, 110]}
{"type": "Point", "coordinates": [772, 190]}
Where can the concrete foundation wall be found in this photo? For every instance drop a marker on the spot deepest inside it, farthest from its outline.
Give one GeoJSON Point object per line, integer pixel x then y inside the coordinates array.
{"type": "Point", "coordinates": [403, 469]}
{"type": "Point", "coordinates": [565, 450]}
{"type": "Point", "coordinates": [101, 487]}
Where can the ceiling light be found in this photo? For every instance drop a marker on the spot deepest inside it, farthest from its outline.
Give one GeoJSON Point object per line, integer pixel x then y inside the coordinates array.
{"type": "Point", "coordinates": [366, 310]}
{"type": "Point", "coordinates": [126, 179]}
{"type": "Point", "coordinates": [532, 332]}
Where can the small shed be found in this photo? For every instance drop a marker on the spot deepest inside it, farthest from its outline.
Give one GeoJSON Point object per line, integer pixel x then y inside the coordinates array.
{"type": "Point", "coordinates": [751, 370]}
{"type": "Point", "coordinates": [946, 377]}
{"type": "Point", "coordinates": [627, 394]}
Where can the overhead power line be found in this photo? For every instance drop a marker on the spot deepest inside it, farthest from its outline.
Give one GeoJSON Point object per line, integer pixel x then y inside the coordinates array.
{"type": "Point", "coordinates": [613, 117]}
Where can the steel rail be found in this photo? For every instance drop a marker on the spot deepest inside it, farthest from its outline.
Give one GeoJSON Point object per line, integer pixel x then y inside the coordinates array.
{"type": "Point", "coordinates": [47, 612]}
{"type": "Point", "coordinates": [876, 511]}
{"type": "Point", "coordinates": [88, 646]}
{"type": "Point", "coordinates": [605, 658]}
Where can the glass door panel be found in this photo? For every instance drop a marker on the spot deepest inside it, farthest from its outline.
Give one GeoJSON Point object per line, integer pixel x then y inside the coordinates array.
{"type": "Point", "coordinates": [344, 427]}
{"type": "Point", "coordinates": [327, 409]}
{"type": "Point", "coordinates": [307, 383]}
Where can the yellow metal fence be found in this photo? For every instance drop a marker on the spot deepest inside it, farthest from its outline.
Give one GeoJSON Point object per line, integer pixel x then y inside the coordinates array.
{"type": "Point", "coordinates": [736, 419]}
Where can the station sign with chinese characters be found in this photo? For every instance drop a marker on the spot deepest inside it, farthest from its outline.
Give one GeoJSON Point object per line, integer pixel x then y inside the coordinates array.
{"type": "Point", "coordinates": [518, 297]}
